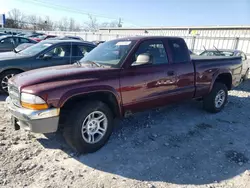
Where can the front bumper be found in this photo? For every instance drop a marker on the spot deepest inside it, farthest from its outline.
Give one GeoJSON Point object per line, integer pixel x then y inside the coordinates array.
{"type": "Point", "coordinates": [37, 121]}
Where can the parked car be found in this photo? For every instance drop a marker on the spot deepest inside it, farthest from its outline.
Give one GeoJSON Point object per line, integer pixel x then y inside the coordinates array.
{"type": "Point", "coordinates": [43, 37]}
{"type": "Point", "coordinates": [2, 34]}
{"type": "Point", "coordinates": [42, 54]}
{"type": "Point", "coordinates": [21, 34]}
{"type": "Point", "coordinates": [8, 42]}
{"type": "Point", "coordinates": [23, 46]}
{"type": "Point", "coordinates": [116, 79]}
{"type": "Point", "coordinates": [31, 35]}
{"type": "Point", "coordinates": [231, 53]}
{"type": "Point", "coordinates": [74, 37]}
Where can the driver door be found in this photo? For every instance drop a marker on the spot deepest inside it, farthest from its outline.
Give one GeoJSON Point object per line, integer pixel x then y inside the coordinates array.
{"type": "Point", "coordinates": [57, 55]}
{"type": "Point", "coordinates": [149, 85]}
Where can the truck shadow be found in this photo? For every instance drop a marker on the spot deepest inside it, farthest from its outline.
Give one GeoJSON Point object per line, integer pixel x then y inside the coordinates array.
{"type": "Point", "coordinates": [244, 86]}
{"type": "Point", "coordinates": [2, 97]}
{"type": "Point", "coordinates": [178, 144]}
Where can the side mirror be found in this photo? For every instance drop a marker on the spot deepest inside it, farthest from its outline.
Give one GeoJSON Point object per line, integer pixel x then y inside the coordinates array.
{"type": "Point", "coordinates": [2, 41]}
{"type": "Point", "coordinates": [47, 56]}
{"type": "Point", "coordinates": [143, 59]}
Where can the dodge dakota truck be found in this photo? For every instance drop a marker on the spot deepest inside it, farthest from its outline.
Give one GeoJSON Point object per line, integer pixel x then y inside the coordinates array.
{"type": "Point", "coordinates": [116, 79]}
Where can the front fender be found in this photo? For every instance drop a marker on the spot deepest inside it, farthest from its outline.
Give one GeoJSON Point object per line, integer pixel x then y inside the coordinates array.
{"type": "Point", "coordinates": [89, 90]}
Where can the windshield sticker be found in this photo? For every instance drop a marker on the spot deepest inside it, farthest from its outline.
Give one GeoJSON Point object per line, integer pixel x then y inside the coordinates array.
{"type": "Point", "coordinates": [123, 43]}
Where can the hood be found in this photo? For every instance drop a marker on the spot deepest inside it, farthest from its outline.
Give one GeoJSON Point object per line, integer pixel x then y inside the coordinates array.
{"type": "Point", "coordinates": [53, 74]}
{"type": "Point", "coordinates": [10, 56]}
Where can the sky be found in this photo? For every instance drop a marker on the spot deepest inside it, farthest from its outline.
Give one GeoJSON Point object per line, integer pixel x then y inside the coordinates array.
{"type": "Point", "coordinates": [140, 13]}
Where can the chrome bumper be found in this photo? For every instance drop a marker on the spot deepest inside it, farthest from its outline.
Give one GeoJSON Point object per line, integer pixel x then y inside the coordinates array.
{"type": "Point", "coordinates": [38, 121]}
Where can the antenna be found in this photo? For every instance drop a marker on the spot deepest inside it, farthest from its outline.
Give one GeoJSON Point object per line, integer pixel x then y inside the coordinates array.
{"type": "Point", "coordinates": [204, 48]}
{"type": "Point", "coordinates": [217, 50]}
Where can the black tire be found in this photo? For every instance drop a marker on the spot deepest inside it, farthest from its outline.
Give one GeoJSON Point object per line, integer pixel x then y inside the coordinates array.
{"type": "Point", "coordinates": [72, 131]}
{"type": "Point", "coordinates": [209, 100]}
{"type": "Point", "coordinates": [3, 76]}
{"type": "Point", "coordinates": [245, 77]}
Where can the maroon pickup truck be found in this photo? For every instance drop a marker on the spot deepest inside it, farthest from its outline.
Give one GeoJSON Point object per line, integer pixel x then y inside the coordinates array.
{"type": "Point", "coordinates": [116, 79]}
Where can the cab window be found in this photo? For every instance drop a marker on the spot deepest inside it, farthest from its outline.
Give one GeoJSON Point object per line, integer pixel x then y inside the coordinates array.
{"type": "Point", "coordinates": [155, 49]}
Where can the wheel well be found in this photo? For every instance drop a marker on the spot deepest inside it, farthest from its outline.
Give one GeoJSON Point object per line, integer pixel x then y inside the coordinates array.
{"type": "Point", "coordinates": [13, 69]}
{"type": "Point", "coordinates": [226, 79]}
{"type": "Point", "coordinates": [106, 97]}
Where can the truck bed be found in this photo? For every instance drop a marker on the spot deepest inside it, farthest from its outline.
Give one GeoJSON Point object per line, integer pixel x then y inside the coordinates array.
{"type": "Point", "coordinates": [206, 67]}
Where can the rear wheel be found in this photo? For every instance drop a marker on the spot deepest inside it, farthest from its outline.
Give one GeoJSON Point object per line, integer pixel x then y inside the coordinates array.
{"type": "Point", "coordinates": [4, 78]}
{"type": "Point", "coordinates": [215, 101]}
{"type": "Point", "coordinates": [90, 127]}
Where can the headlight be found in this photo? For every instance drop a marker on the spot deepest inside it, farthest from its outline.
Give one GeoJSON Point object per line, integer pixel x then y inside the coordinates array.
{"type": "Point", "coordinates": [33, 102]}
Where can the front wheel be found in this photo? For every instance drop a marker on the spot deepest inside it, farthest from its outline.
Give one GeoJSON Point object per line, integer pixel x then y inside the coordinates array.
{"type": "Point", "coordinates": [4, 78]}
{"type": "Point", "coordinates": [90, 127]}
{"type": "Point", "coordinates": [215, 101]}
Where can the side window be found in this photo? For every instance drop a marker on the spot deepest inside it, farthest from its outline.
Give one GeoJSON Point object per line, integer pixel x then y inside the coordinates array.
{"type": "Point", "coordinates": [7, 41]}
{"type": "Point", "coordinates": [155, 49]}
{"type": "Point", "coordinates": [16, 40]}
{"type": "Point", "coordinates": [60, 51]}
{"type": "Point", "coordinates": [81, 50]}
{"type": "Point", "coordinates": [178, 50]}
{"type": "Point", "coordinates": [23, 40]}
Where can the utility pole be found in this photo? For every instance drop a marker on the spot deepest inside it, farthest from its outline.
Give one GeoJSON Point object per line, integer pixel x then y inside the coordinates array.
{"type": "Point", "coordinates": [120, 22]}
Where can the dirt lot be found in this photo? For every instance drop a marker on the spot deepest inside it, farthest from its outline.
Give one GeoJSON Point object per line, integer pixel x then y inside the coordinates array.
{"type": "Point", "coordinates": [177, 146]}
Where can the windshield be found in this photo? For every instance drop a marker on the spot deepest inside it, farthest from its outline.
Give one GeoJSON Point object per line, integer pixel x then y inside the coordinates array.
{"type": "Point", "coordinates": [109, 53]}
{"type": "Point", "coordinates": [35, 49]}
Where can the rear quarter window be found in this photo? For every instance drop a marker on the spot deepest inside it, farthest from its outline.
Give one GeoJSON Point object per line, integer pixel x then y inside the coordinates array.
{"type": "Point", "coordinates": [179, 51]}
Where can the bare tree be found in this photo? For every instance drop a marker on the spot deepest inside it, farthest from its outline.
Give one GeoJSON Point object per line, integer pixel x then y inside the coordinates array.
{"type": "Point", "coordinates": [77, 27]}
{"type": "Point", "coordinates": [72, 24]}
{"type": "Point", "coordinates": [65, 23]}
{"type": "Point", "coordinates": [112, 24]}
{"type": "Point", "coordinates": [10, 23]}
{"type": "Point", "coordinates": [91, 24]}
{"type": "Point", "coordinates": [32, 20]}
{"type": "Point", "coordinates": [62, 24]}
{"type": "Point", "coordinates": [49, 25]}
{"type": "Point", "coordinates": [18, 18]}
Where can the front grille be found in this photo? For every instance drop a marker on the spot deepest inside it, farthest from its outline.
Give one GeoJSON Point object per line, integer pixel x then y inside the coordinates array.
{"type": "Point", "coordinates": [14, 94]}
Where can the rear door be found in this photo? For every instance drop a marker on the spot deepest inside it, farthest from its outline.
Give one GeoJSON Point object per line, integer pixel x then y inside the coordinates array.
{"type": "Point", "coordinates": [148, 85]}
{"type": "Point", "coordinates": [79, 51]}
{"type": "Point", "coordinates": [60, 55]}
{"type": "Point", "coordinates": [183, 68]}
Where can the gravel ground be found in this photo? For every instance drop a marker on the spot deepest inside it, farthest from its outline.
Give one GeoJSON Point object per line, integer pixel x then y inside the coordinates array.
{"type": "Point", "coordinates": [176, 146]}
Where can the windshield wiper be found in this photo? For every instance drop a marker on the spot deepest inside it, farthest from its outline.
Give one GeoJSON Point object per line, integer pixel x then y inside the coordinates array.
{"type": "Point", "coordinates": [97, 64]}
{"type": "Point", "coordinates": [78, 63]}
{"type": "Point", "coordinates": [92, 62]}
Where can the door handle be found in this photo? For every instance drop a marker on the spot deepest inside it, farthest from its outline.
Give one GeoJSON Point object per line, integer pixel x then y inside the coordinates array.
{"type": "Point", "coordinates": [170, 73]}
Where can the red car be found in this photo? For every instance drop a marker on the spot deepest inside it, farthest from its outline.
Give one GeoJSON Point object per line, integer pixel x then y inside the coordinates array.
{"type": "Point", "coordinates": [43, 37]}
